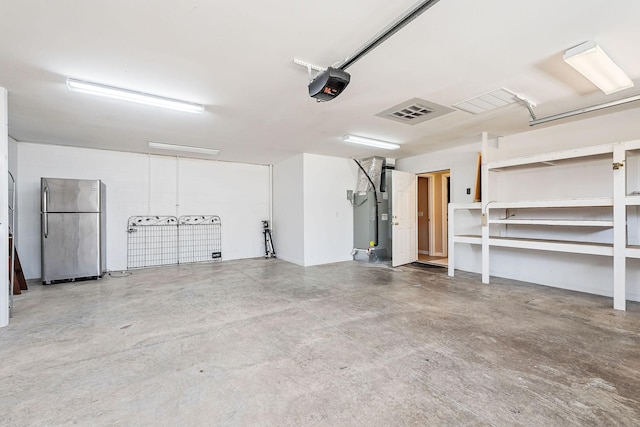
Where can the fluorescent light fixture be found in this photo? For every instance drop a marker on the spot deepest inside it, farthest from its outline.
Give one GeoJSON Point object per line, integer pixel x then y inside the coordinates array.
{"type": "Point", "coordinates": [133, 96]}
{"type": "Point", "coordinates": [370, 142]}
{"type": "Point", "coordinates": [183, 148]}
{"type": "Point", "coordinates": [593, 63]}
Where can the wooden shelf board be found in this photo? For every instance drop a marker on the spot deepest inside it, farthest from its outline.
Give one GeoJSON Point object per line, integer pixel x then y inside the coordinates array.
{"type": "Point", "coordinates": [553, 245]}
{"type": "Point", "coordinates": [468, 238]}
{"type": "Point", "coordinates": [632, 200]}
{"type": "Point", "coordinates": [470, 206]}
{"type": "Point", "coordinates": [633, 251]}
{"type": "Point", "coordinates": [554, 203]}
{"type": "Point", "coordinates": [556, 222]}
{"type": "Point", "coordinates": [632, 145]}
{"type": "Point", "coordinates": [547, 158]}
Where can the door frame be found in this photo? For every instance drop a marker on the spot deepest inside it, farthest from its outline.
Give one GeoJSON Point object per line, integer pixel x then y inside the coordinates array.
{"type": "Point", "coordinates": [431, 210]}
{"type": "Point", "coordinates": [429, 213]}
{"type": "Point", "coordinates": [446, 178]}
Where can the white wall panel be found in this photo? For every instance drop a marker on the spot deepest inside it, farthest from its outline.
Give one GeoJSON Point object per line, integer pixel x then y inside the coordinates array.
{"type": "Point", "coordinates": [13, 169]}
{"type": "Point", "coordinates": [137, 185]}
{"type": "Point", "coordinates": [288, 209]}
{"type": "Point", "coordinates": [238, 193]}
{"type": "Point", "coordinates": [562, 135]}
{"type": "Point", "coordinates": [328, 215]}
{"type": "Point", "coordinates": [4, 209]}
{"type": "Point", "coordinates": [162, 185]}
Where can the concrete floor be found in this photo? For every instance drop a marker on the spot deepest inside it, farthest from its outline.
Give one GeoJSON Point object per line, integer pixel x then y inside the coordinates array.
{"type": "Point", "coordinates": [265, 342]}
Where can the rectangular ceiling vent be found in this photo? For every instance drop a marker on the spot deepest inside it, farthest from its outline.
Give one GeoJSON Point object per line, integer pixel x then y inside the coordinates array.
{"type": "Point", "coordinates": [488, 101]}
{"type": "Point", "coordinates": [414, 111]}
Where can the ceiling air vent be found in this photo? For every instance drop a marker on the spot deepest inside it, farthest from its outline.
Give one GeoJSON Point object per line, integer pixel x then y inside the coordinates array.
{"type": "Point", "coordinates": [414, 111]}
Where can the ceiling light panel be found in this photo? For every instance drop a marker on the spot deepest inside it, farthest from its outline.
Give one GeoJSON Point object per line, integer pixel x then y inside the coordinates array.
{"type": "Point", "coordinates": [183, 148]}
{"type": "Point", "coordinates": [354, 139]}
{"type": "Point", "coordinates": [489, 101]}
{"type": "Point", "coordinates": [98, 89]}
{"type": "Point", "coordinates": [592, 62]}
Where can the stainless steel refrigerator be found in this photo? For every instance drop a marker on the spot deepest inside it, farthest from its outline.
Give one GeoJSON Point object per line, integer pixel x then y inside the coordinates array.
{"type": "Point", "coordinates": [73, 229]}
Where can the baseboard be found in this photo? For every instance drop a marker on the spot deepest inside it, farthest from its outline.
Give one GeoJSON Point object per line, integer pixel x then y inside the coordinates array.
{"type": "Point", "coordinates": [291, 260]}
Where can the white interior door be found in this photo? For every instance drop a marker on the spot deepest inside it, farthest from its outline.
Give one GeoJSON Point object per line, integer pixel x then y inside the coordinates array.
{"type": "Point", "coordinates": [404, 194]}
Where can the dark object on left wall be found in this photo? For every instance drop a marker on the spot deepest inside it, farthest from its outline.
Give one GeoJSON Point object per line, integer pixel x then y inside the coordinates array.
{"type": "Point", "coordinates": [19, 282]}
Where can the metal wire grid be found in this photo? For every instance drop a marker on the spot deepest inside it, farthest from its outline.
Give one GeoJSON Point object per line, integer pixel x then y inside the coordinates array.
{"type": "Point", "coordinates": [200, 238]}
{"type": "Point", "coordinates": [164, 240]}
{"type": "Point", "coordinates": [152, 241]}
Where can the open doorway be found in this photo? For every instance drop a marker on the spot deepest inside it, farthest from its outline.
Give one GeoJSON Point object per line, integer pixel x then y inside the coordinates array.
{"type": "Point", "coordinates": [434, 194]}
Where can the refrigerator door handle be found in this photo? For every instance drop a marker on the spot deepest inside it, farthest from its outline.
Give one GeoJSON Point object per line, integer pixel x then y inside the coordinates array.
{"type": "Point", "coordinates": [45, 218]}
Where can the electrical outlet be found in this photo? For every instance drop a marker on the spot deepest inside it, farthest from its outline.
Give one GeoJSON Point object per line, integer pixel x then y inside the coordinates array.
{"type": "Point", "coordinates": [468, 191]}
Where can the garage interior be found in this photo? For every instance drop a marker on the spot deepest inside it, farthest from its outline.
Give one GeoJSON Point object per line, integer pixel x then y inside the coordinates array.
{"type": "Point", "coordinates": [479, 263]}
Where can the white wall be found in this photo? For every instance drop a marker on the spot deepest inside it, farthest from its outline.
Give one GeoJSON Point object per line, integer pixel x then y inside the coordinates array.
{"type": "Point", "coordinates": [139, 184]}
{"type": "Point", "coordinates": [328, 215]}
{"type": "Point", "coordinates": [13, 157]}
{"type": "Point", "coordinates": [288, 209]}
{"type": "Point", "coordinates": [4, 209]}
{"type": "Point", "coordinates": [312, 218]}
{"type": "Point", "coordinates": [559, 135]}
{"type": "Point", "coordinates": [13, 169]}
{"type": "Point", "coordinates": [462, 162]}
{"type": "Point", "coordinates": [238, 193]}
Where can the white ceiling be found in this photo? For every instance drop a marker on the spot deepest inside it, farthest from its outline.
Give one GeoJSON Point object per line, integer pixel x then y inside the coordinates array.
{"type": "Point", "coordinates": [236, 58]}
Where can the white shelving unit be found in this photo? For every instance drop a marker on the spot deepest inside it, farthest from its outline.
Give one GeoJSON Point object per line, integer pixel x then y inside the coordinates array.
{"type": "Point", "coordinates": [460, 238]}
{"type": "Point", "coordinates": [595, 226]}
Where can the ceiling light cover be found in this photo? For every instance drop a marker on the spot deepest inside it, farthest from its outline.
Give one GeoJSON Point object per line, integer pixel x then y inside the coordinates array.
{"type": "Point", "coordinates": [592, 62]}
{"type": "Point", "coordinates": [370, 142]}
{"type": "Point", "coordinates": [489, 101]}
{"type": "Point", "coordinates": [184, 148]}
{"type": "Point", "coordinates": [132, 96]}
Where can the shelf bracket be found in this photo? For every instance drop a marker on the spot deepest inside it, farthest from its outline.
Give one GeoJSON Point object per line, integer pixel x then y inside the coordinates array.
{"type": "Point", "coordinates": [618, 165]}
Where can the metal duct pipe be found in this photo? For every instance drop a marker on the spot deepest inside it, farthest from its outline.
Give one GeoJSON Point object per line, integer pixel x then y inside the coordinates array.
{"type": "Point", "coordinates": [622, 101]}
{"type": "Point", "coordinates": [386, 33]}
{"type": "Point", "coordinates": [375, 196]}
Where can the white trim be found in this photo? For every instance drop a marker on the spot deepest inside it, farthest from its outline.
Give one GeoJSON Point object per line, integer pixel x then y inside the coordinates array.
{"type": "Point", "coordinates": [4, 210]}
{"type": "Point", "coordinates": [445, 212]}
{"type": "Point", "coordinates": [619, 228]}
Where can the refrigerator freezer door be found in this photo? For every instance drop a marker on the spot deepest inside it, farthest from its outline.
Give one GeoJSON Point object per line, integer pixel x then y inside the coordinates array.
{"type": "Point", "coordinates": [70, 195]}
{"type": "Point", "coordinates": [71, 248]}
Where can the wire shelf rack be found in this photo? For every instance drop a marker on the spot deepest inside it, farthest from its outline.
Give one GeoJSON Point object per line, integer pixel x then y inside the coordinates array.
{"type": "Point", "coordinates": [164, 240]}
